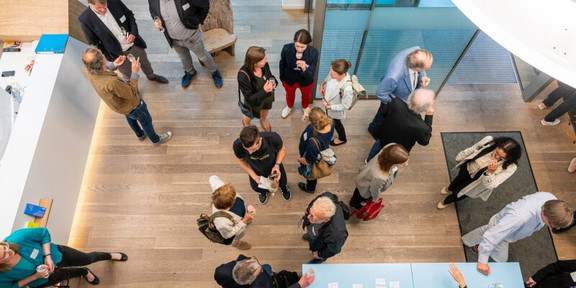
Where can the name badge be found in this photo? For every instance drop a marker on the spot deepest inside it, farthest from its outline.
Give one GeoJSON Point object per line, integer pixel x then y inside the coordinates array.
{"type": "Point", "coordinates": [123, 19]}
{"type": "Point", "coordinates": [305, 136]}
{"type": "Point", "coordinates": [186, 6]}
{"type": "Point", "coordinates": [34, 253]}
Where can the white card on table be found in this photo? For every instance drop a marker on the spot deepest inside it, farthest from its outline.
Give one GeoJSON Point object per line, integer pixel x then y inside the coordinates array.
{"type": "Point", "coordinates": [357, 286]}
{"type": "Point", "coordinates": [380, 281]}
{"type": "Point", "coordinates": [394, 284]}
{"type": "Point", "coordinates": [333, 285]}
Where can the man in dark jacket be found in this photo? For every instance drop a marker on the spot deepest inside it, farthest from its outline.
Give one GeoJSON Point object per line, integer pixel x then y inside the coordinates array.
{"type": "Point", "coordinates": [181, 21]}
{"type": "Point", "coordinates": [325, 224]}
{"type": "Point", "coordinates": [554, 275]}
{"type": "Point", "coordinates": [402, 122]}
{"type": "Point", "coordinates": [111, 26]}
{"type": "Point", "coordinates": [248, 272]}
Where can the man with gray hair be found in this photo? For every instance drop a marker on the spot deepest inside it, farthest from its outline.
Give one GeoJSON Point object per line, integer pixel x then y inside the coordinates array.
{"type": "Point", "coordinates": [325, 224]}
{"type": "Point", "coordinates": [120, 96]}
{"type": "Point", "coordinates": [248, 272]}
{"type": "Point", "coordinates": [402, 122]}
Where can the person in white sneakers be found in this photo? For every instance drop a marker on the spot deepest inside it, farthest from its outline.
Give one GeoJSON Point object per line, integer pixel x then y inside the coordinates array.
{"type": "Point", "coordinates": [568, 106]}
{"type": "Point", "coordinates": [298, 62]}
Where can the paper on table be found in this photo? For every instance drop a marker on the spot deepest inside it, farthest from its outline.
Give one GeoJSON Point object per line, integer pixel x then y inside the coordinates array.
{"type": "Point", "coordinates": [380, 281]}
{"type": "Point", "coordinates": [357, 286]}
{"type": "Point", "coordinates": [333, 285]}
{"type": "Point", "coordinates": [394, 284]}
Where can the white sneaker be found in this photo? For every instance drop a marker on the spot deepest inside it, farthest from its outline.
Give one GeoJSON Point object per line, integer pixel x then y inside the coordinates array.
{"type": "Point", "coordinates": [164, 138]}
{"type": "Point", "coordinates": [286, 112]}
{"type": "Point", "coordinates": [572, 166]}
{"type": "Point", "coordinates": [546, 123]}
{"type": "Point", "coordinates": [305, 114]}
{"type": "Point", "coordinates": [441, 205]}
{"type": "Point", "coordinates": [444, 192]}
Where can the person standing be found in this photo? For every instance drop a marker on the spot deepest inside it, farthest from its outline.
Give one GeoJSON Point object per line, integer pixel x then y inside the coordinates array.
{"type": "Point", "coordinates": [378, 174]}
{"type": "Point", "coordinates": [554, 275]}
{"type": "Point", "coordinates": [402, 122]}
{"type": "Point", "coordinates": [261, 155]}
{"type": "Point", "coordinates": [483, 167]}
{"type": "Point", "coordinates": [298, 62]}
{"type": "Point", "coordinates": [111, 26]}
{"type": "Point", "coordinates": [257, 84]}
{"type": "Point", "coordinates": [406, 73]}
{"type": "Point", "coordinates": [120, 96]}
{"type": "Point", "coordinates": [338, 97]}
{"type": "Point", "coordinates": [325, 225]}
{"type": "Point", "coordinates": [181, 21]}
{"type": "Point", "coordinates": [225, 199]}
{"type": "Point", "coordinates": [568, 106]}
{"type": "Point", "coordinates": [315, 138]}
{"type": "Point", "coordinates": [516, 221]}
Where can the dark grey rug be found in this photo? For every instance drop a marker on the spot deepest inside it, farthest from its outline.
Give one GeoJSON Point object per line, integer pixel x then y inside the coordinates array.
{"type": "Point", "coordinates": [532, 253]}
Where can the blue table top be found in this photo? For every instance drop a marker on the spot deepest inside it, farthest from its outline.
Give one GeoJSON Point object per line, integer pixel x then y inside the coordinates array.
{"type": "Point", "coordinates": [415, 275]}
{"type": "Point", "coordinates": [368, 275]}
{"type": "Point", "coordinates": [428, 275]}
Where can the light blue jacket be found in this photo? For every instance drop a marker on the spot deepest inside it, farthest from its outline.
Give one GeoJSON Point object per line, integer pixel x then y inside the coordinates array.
{"type": "Point", "coordinates": [396, 82]}
{"type": "Point", "coordinates": [30, 241]}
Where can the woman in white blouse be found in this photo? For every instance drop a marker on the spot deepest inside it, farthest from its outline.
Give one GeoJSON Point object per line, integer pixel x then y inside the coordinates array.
{"type": "Point", "coordinates": [337, 100]}
{"type": "Point", "coordinates": [225, 198]}
{"type": "Point", "coordinates": [483, 167]}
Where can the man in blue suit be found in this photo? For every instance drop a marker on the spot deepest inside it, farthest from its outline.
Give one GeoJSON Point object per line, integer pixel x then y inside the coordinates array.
{"type": "Point", "coordinates": [406, 72]}
{"type": "Point", "coordinates": [111, 26]}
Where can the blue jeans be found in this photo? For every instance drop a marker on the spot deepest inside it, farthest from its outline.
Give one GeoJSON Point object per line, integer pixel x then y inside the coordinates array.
{"type": "Point", "coordinates": [194, 43]}
{"type": "Point", "coordinates": [141, 114]}
{"type": "Point", "coordinates": [374, 150]}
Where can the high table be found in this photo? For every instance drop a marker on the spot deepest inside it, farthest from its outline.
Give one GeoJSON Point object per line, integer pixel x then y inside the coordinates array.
{"type": "Point", "coordinates": [411, 275]}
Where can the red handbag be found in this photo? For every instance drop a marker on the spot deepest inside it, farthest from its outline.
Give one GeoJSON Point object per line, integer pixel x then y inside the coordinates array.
{"type": "Point", "coordinates": [372, 209]}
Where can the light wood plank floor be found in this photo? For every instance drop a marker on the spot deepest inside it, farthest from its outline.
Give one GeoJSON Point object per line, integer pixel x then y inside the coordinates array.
{"type": "Point", "coordinates": [144, 200]}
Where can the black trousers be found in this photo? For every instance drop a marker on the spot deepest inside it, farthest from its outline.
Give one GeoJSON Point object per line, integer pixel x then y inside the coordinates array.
{"type": "Point", "coordinates": [339, 129]}
{"type": "Point", "coordinates": [462, 180]}
{"type": "Point", "coordinates": [283, 182]}
{"type": "Point", "coordinates": [357, 199]}
{"type": "Point", "coordinates": [73, 258]}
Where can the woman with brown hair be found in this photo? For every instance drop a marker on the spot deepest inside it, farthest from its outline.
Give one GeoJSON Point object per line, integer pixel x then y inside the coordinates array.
{"type": "Point", "coordinates": [232, 227]}
{"type": "Point", "coordinates": [321, 128]}
{"type": "Point", "coordinates": [257, 84]}
{"type": "Point", "coordinates": [335, 100]}
{"type": "Point", "coordinates": [378, 174]}
{"type": "Point", "coordinates": [29, 258]}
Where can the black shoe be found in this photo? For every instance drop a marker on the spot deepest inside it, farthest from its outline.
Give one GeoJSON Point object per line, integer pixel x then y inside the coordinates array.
{"type": "Point", "coordinates": [332, 143]}
{"type": "Point", "coordinates": [287, 195]}
{"type": "Point", "coordinates": [263, 198]}
{"type": "Point", "coordinates": [123, 257]}
{"type": "Point", "coordinates": [316, 261]}
{"type": "Point", "coordinates": [158, 78]}
{"type": "Point", "coordinates": [303, 187]}
{"type": "Point", "coordinates": [96, 280]}
{"type": "Point", "coordinates": [217, 79]}
{"type": "Point", "coordinates": [187, 78]}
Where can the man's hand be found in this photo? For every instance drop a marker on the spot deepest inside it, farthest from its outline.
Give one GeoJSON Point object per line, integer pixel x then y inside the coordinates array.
{"type": "Point", "coordinates": [315, 254]}
{"type": "Point", "coordinates": [457, 275]}
{"type": "Point", "coordinates": [119, 61]}
{"type": "Point", "coordinates": [275, 173]}
{"type": "Point", "coordinates": [200, 27]}
{"type": "Point", "coordinates": [136, 66]}
{"type": "Point", "coordinates": [530, 282]}
{"type": "Point", "coordinates": [306, 280]}
{"type": "Point", "coordinates": [425, 81]}
{"type": "Point", "coordinates": [256, 178]}
{"type": "Point", "coordinates": [130, 38]}
{"type": "Point", "coordinates": [483, 268]}
{"type": "Point", "coordinates": [430, 111]}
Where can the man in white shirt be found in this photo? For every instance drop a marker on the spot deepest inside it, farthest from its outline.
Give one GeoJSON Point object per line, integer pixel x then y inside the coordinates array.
{"type": "Point", "coordinates": [111, 26]}
{"type": "Point", "coordinates": [516, 221]}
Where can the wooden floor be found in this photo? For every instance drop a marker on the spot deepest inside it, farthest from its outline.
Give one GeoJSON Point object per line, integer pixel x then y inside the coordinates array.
{"type": "Point", "coordinates": [144, 200]}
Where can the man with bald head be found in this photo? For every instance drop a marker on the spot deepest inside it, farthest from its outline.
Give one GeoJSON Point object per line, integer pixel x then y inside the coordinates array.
{"type": "Point", "coordinates": [406, 73]}
{"type": "Point", "coordinates": [120, 96]}
{"type": "Point", "coordinates": [402, 122]}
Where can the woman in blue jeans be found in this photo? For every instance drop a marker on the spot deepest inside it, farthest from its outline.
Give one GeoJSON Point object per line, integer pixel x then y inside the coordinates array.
{"type": "Point", "coordinates": [26, 249]}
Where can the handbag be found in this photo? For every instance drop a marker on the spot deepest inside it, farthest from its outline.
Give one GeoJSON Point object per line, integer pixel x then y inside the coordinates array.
{"type": "Point", "coordinates": [320, 168]}
{"type": "Point", "coordinates": [369, 211]}
{"type": "Point", "coordinates": [245, 109]}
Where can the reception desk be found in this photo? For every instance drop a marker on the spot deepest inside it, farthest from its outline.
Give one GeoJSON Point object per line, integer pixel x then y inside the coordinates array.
{"type": "Point", "coordinates": [48, 147]}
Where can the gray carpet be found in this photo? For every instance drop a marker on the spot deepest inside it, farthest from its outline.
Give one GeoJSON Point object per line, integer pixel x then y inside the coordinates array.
{"type": "Point", "coordinates": [486, 62]}
{"type": "Point", "coordinates": [532, 253]}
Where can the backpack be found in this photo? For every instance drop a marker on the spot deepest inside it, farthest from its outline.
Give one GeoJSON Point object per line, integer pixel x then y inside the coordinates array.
{"type": "Point", "coordinates": [357, 90]}
{"type": "Point", "coordinates": [206, 226]}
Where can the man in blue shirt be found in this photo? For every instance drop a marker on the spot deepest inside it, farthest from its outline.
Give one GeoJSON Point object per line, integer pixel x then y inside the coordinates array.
{"type": "Point", "coordinates": [518, 220]}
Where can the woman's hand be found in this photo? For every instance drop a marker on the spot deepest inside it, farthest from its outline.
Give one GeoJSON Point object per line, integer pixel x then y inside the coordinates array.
{"type": "Point", "coordinates": [48, 261]}
{"type": "Point", "coordinates": [492, 167]}
{"type": "Point", "coordinates": [248, 217]}
{"type": "Point", "coordinates": [457, 275]}
{"type": "Point", "coordinates": [119, 61]}
{"type": "Point", "coordinates": [322, 88]}
{"type": "Point", "coordinates": [44, 274]}
{"type": "Point", "coordinates": [269, 86]}
{"type": "Point", "coordinates": [301, 64]}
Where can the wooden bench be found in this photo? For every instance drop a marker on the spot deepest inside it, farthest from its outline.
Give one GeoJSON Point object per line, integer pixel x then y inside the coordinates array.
{"type": "Point", "coordinates": [218, 39]}
{"type": "Point", "coordinates": [46, 203]}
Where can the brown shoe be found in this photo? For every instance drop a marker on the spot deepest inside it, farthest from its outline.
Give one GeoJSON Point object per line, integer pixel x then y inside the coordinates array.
{"type": "Point", "coordinates": [242, 245]}
{"type": "Point", "coordinates": [474, 249]}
